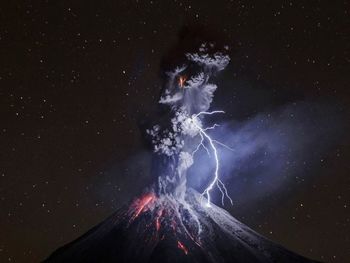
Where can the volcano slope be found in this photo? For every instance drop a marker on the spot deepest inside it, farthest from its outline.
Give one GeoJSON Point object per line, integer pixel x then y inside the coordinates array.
{"type": "Point", "coordinates": [161, 229]}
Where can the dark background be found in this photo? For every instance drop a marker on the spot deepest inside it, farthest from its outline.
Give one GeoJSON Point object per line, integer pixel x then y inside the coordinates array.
{"type": "Point", "coordinates": [76, 78]}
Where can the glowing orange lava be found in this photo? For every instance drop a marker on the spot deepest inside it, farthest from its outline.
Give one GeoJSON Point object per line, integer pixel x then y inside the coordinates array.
{"type": "Point", "coordinates": [182, 247]}
{"type": "Point", "coordinates": [182, 80]}
{"type": "Point", "coordinates": [157, 224]}
{"type": "Point", "coordinates": [159, 215]}
{"type": "Point", "coordinates": [142, 203]}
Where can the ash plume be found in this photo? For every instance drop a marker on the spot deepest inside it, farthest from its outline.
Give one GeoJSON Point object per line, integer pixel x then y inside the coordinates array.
{"type": "Point", "coordinates": [188, 92]}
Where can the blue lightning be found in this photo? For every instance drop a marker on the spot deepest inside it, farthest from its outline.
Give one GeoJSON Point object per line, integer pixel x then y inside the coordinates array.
{"type": "Point", "coordinates": [205, 137]}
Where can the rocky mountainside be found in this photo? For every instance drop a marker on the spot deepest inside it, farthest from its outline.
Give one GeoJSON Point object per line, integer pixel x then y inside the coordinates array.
{"type": "Point", "coordinates": [163, 229]}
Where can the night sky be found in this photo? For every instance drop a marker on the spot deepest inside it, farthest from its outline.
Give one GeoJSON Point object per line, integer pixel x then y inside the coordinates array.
{"type": "Point", "coordinates": [78, 79]}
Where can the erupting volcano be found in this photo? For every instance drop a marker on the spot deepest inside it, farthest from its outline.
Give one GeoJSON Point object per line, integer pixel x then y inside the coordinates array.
{"type": "Point", "coordinates": [171, 222]}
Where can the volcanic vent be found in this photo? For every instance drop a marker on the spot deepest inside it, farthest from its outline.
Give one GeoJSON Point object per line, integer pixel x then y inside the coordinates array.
{"type": "Point", "coordinates": [171, 222]}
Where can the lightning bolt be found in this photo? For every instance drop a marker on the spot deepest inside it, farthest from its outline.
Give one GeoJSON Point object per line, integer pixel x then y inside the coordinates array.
{"type": "Point", "coordinates": [205, 137]}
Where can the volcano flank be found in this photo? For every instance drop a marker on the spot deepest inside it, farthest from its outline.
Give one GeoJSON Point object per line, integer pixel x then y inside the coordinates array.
{"type": "Point", "coordinates": [160, 229]}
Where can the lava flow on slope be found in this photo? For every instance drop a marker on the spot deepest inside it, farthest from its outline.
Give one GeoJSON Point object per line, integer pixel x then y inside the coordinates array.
{"type": "Point", "coordinates": [161, 229]}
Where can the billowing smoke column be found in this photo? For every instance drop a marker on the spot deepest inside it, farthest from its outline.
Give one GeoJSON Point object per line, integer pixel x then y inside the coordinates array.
{"type": "Point", "coordinates": [189, 93]}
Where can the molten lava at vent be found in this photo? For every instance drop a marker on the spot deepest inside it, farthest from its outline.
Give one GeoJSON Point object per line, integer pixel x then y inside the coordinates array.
{"type": "Point", "coordinates": [140, 205]}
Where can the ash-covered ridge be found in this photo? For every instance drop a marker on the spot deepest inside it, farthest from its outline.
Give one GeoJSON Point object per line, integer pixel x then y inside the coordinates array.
{"type": "Point", "coordinates": [158, 229]}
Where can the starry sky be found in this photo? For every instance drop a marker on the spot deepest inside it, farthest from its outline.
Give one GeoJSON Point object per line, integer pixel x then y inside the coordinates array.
{"type": "Point", "coordinates": [78, 79]}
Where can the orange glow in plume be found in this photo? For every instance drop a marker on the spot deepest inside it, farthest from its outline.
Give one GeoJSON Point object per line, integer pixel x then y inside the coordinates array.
{"type": "Point", "coordinates": [182, 80]}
